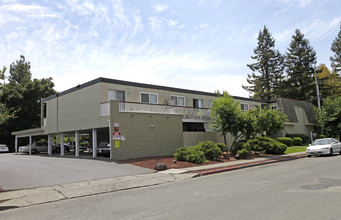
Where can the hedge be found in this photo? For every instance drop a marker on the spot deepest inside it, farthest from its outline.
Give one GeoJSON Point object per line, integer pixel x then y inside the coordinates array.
{"type": "Point", "coordinates": [286, 140]}
{"type": "Point", "coordinates": [200, 153]}
{"type": "Point", "coordinates": [266, 145]}
{"type": "Point", "coordinates": [304, 137]}
{"type": "Point", "coordinates": [297, 141]}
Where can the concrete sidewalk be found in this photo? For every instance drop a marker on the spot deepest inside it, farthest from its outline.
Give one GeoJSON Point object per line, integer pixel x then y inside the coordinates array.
{"type": "Point", "coordinates": [28, 197]}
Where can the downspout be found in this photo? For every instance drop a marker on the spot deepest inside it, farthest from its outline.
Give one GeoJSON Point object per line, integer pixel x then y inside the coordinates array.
{"type": "Point", "coordinates": [57, 112]}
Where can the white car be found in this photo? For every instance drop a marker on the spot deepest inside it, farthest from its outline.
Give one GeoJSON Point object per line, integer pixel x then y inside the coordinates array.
{"type": "Point", "coordinates": [325, 146]}
{"type": "Point", "coordinates": [3, 148]}
{"type": "Point", "coordinates": [38, 147]}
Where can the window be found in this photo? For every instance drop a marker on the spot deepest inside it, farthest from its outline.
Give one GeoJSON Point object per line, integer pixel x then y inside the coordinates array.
{"type": "Point", "coordinates": [244, 107]}
{"type": "Point", "coordinates": [193, 127]}
{"type": "Point", "coordinates": [197, 103]}
{"type": "Point", "coordinates": [177, 100]}
{"type": "Point", "coordinates": [149, 98]}
{"type": "Point", "coordinates": [44, 111]}
{"type": "Point", "coordinates": [116, 95]}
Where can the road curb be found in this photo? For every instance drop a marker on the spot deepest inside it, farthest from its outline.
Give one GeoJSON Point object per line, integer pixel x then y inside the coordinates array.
{"type": "Point", "coordinates": [247, 165]}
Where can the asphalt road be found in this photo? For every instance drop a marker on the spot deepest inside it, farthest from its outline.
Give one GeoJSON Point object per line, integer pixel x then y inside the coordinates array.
{"type": "Point", "coordinates": [308, 188]}
{"type": "Point", "coordinates": [30, 171]}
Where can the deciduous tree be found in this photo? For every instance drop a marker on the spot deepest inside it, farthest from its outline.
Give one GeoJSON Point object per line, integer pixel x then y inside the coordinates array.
{"type": "Point", "coordinates": [329, 82]}
{"type": "Point", "coordinates": [23, 95]}
{"type": "Point", "coordinates": [226, 116]}
{"type": "Point", "coordinates": [328, 121]}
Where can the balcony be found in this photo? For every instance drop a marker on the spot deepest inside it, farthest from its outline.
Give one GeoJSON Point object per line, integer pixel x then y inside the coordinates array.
{"type": "Point", "coordinates": [189, 114]}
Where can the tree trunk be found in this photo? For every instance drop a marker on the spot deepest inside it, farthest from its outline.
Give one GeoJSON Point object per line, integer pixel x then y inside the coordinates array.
{"type": "Point", "coordinates": [225, 140]}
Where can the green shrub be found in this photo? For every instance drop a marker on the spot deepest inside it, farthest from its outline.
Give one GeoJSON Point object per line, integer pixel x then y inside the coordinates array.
{"type": "Point", "coordinates": [243, 153]}
{"type": "Point", "coordinates": [286, 140]}
{"type": "Point", "coordinates": [238, 146]}
{"type": "Point", "coordinates": [200, 153]}
{"type": "Point", "coordinates": [210, 149]}
{"type": "Point", "coordinates": [266, 145]}
{"type": "Point", "coordinates": [196, 157]}
{"type": "Point", "coordinates": [297, 141]}
{"type": "Point", "coordinates": [213, 153]}
{"type": "Point", "coordinates": [222, 146]}
{"type": "Point", "coordinates": [304, 137]}
{"type": "Point", "coordinates": [193, 154]}
{"type": "Point", "coordinates": [205, 145]}
{"type": "Point", "coordinates": [181, 154]}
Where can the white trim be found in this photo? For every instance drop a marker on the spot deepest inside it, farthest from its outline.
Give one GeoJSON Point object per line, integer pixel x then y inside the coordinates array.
{"type": "Point", "coordinates": [77, 143]}
{"type": "Point", "coordinates": [150, 93]}
{"type": "Point", "coordinates": [248, 107]}
{"type": "Point", "coordinates": [62, 147]}
{"type": "Point", "coordinates": [49, 145]}
{"type": "Point", "coordinates": [178, 96]}
{"type": "Point", "coordinates": [199, 100]}
{"type": "Point", "coordinates": [94, 142]}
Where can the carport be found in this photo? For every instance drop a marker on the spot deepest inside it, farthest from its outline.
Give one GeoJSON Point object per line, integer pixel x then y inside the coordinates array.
{"type": "Point", "coordinates": [93, 133]}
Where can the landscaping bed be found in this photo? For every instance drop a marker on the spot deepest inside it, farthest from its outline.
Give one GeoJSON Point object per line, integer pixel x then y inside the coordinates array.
{"type": "Point", "coordinates": [150, 162]}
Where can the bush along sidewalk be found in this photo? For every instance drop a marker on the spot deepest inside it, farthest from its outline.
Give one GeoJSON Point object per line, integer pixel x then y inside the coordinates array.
{"type": "Point", "coordinates": [208, 150]}
{"type": "Point", "coordinates": [201, 153]}
{"type": "Point", "coordinates": [264, 145]}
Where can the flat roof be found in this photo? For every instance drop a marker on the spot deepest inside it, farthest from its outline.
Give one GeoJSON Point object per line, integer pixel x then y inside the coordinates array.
{"type": "Point", "coordinates": [27, 132]}
{"type": "Point", "coordinates": [142, 85]}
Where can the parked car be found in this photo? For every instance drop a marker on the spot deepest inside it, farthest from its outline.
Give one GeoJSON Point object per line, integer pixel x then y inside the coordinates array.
{"type": "Point", "coordinates": [324, 146]}
{"type": "Point", "coordinates": [104, 148]}
{"type": "Point", "coordinates": [3, 148]}
{"type": "Point", "coordinates": [39, 147]}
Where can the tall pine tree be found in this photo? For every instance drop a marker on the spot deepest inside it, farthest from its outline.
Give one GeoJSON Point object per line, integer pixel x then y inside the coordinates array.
{"type": "Point", "coordinates": [267, 71]}
{"type": "Point", "coordinates": [300, 60]}
{"type": "Point", "coordinates": [336, 48]}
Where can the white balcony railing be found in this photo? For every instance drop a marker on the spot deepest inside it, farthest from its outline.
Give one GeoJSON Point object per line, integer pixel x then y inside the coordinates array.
{"type": "Point", "coordinates": [188, 113]}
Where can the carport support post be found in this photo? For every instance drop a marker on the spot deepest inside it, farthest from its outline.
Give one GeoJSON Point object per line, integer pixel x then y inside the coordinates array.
{"type": "Point", "coordinates": [62, 145]}
{"type": "Point", "coordinates": [49, 148]}
{"type": "Point", "coordinates": [94, 143]}
{"type": "Point", "coordinates": [30, 145]}
{"type": "Point", "coordinates": [16, 144]}
{"type": "Point", "coordinates": [77, 144]}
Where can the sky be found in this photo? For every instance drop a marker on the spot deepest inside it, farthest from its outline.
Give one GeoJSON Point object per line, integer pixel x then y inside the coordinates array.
{"type": "Point", "coordinates": [201, 45]}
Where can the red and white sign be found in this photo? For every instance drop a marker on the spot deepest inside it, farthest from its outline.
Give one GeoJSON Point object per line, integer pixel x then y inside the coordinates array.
{"type": "Point", "coordinates": [116, 136]}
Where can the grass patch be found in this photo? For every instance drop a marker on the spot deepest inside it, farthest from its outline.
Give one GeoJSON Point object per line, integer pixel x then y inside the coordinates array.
{"type": "Point", "coordinates": [294, 149]}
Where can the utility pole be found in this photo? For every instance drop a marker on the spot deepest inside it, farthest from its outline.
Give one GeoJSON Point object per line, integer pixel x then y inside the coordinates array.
{"type": "Point", "coordinates": [317, 90]}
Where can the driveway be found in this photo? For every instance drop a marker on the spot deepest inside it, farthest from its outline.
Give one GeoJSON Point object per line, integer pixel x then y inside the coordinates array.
{"type": "Point", "coordinates": [30, 171]}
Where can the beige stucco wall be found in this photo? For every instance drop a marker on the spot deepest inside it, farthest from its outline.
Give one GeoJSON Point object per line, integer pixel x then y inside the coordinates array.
{"type": "Point", "coordinates": [132, 94]}
{"type": "Point", "coordinates": [146, 134]}
{"type": "Point", "coordinates": [301, 127]}
{"type": "Point", "coordinates": [77, 110]}
{"type": "Point", "coordinates": [193, 138]}
{"type": "Point", "coordinates": [80, 109]}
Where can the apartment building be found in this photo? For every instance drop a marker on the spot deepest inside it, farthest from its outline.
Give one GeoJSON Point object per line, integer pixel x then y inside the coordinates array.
{"type": "Point", "coordinates": [138, 120]}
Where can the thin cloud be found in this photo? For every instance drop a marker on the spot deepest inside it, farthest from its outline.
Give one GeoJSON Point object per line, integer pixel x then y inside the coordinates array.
{"type": "Point", "coordinates": [160, 7]}
{"type": "Point", "coordinates": [31, 10]}
{"type": "Point", "coordinates": [318, 29]}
